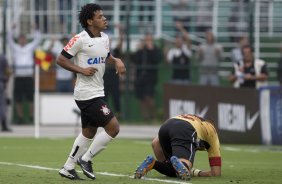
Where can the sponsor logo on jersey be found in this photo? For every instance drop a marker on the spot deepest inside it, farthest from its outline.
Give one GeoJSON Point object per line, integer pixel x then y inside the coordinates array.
{"type": "Point", "coordinates": [71, 43]}
{"type": "Point", "coordinates": [97, 60]}
{"type": "Point", "coordinates": [106, 111]}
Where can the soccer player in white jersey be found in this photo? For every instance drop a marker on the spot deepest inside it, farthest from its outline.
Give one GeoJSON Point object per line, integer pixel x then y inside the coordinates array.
{"type": "Point", "coordinates": [90, 50]}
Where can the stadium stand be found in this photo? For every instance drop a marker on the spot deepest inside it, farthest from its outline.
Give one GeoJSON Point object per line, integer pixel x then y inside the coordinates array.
{"type": "Point", "coordinates": [228, 19]}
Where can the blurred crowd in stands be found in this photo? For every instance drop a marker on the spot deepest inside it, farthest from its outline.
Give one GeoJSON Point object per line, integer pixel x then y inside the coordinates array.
{"type": "Point", "coordinates": [179, 55]}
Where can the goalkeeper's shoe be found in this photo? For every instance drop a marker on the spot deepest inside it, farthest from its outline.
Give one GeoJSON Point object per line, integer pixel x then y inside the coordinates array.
{"type": "Point", "coordinates": [145, 167]}
{"type": "Point", "coordinates": [86, 167]}
{"type": "Point", "coordinates": [70, 174]}
{"type": "Point", "coordinates": [181, 170]}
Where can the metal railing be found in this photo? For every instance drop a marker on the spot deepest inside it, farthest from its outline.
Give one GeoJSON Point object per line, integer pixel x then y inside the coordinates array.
{"type": "Point", "coordinates": [261, 20]}
{"type": "Point", "coordinates": [225, 17]}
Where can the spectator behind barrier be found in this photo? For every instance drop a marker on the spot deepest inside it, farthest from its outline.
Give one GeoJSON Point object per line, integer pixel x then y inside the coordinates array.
{"type": "Point", "coordinates": [146, 59]}
{"type": "Point", "coordinates": [23, 59]}
{"type": "Point", "coordinates": [209, 54]}
{"type": "Point", "coordinates": [251, 73]}
{"type": "Point", "coordinates": [111, 79]}
{"type": "Point", "coordinates": [64, 78]}
{"type": "Point", "coordinates": [179, 56]}
{"type": "Point", "coordinates": [236, 53]}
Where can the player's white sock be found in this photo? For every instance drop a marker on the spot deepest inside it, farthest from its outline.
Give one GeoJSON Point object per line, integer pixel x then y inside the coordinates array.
{"type": "Point", "coordinates": [99, 144]}
{"type": "Point", "coordinates": [79, 147]}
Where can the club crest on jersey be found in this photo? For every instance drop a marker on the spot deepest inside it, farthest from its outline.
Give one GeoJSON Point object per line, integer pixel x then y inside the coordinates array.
{"type": "Point", "coordinates": [97, 60]}
{"type": "Point", "coordinates": [106, 111]}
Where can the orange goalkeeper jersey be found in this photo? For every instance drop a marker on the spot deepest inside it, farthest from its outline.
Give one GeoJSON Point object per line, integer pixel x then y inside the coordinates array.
{"type": "Point", "coordinates": [206, 133]}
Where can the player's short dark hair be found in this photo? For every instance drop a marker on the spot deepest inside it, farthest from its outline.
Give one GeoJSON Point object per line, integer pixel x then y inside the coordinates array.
{"type": "Point", "coordinates": [87, 12]}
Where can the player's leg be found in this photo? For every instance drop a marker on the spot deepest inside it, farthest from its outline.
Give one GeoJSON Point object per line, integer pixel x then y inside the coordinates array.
{"type": "Point", "coordinates": [86, 164]}
{"type": "Point", "coordinates": [157, 149]}
{"type": "Point", "coordinates": [181, 167]}
{"type": "Point", "coordinates": [79, 147]}
{"type": "Point", "coordinates": [185, 153]}
{"type": "Point", "coordinates": [102, 139]}
{"type": "Point", "coordinates": [162, 149]}
{"type": "Point", "coordinates": [173, 147]}
{"type": "Point", "coordinates": [107, 120]}
{"type": "Point", "coordinates": [82, 141]}
{"type": "Point", "coordinates": [98, 144]}
{"type": "Point", "coordinates": [149, 162]}
{"type": "Point", "coordinates": [164, 144]}
{"type": "Point", "coordinates": [183, 148]}
{"type": "Point", "coordinates": [146, 166]}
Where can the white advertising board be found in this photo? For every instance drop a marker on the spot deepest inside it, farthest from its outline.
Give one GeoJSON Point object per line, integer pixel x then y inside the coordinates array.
{"type": "Point", "coordinates": [58, 109]}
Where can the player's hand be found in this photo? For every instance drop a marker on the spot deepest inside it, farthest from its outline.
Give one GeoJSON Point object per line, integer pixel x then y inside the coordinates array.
{"type": "Point", "coordinates": [89, 71]}
{"type": "Point", "coordinates": [120, 68]}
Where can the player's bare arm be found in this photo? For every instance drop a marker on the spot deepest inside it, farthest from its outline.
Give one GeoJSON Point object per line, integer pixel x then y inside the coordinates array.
{"type": "Point", "coordinates": [215, 168]}
{"type": "Point", "coordinates": [215, 171]}
{"type": "Point", "coordinates": [67, 64]}
{"type": "Point", "coordinates": [120, 67]}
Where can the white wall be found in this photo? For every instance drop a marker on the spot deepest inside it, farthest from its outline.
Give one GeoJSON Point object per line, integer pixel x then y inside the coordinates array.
{"type": "Point", "coordinates": [57, 109]}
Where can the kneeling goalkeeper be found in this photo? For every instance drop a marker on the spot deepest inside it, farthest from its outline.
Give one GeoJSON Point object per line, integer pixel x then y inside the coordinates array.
{"type": "Point", "coordinates": [176, 144]}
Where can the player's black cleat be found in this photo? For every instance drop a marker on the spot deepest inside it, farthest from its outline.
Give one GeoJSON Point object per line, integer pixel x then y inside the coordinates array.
{"type": "Point", "coordinates": [70, 174]}
{"type": "Point", "coordinates": [86, 167]}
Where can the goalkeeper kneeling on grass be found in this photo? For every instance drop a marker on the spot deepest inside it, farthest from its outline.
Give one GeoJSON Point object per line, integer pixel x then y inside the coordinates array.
{"type": "Point", "coordinates": [175, 147]}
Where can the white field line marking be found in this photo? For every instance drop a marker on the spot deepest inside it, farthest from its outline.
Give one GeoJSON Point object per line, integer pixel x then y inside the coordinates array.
{"type": "Point", "coordinates": [231, 149]}
{"type": "Point", "coordinates": [160, 180]}
{"type": "Point", "coordinates": [100, 173]}
{"type": "Point", "coordinates": [228, 148]}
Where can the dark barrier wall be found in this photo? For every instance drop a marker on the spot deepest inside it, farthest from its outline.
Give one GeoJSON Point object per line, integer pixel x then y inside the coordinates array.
{"type": "Point", "coordinates": [234, 111]}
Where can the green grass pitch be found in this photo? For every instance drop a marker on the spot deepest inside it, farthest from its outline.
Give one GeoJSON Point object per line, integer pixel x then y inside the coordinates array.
{"type": "Point", "coordinates": [19, 158]}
